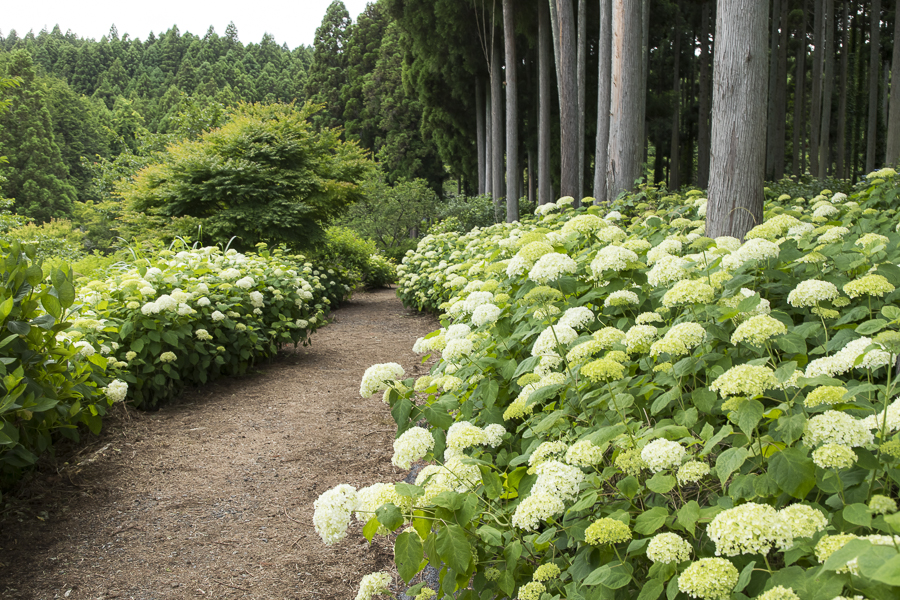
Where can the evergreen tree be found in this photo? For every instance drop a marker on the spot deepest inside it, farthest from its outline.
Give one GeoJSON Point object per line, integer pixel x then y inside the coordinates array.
{"type": "Point", "coordinates": [328, 74]}
{"type": "Point", "coordinates": [36, 176]}
{"type": "Point", "coordinates": [363, 51]}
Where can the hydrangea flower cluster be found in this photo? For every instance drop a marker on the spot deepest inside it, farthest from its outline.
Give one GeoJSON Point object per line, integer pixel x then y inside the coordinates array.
{"type": "Point", "coordinates": [607, 531]}
{"type": "Point", "coordinates": [668, 548]}
{"type": "Point", "coordinates": [332, 510]}
{"type": "Point", "coordinates": [415, 443]}
{"type": "Point", "coordinates": [811, 292]}
{"type": "Point", "coordinates": [709, 579]}
{"type": "Point", "coordinates": [835, 427]}
{"type": "Point", "coordinates": [750, 529]}
{"type": "Point", "coordinates": [551, 267]}
{"type": "Point", "coordinates": [744, 380]}
{"type": "Point", "coordinates": [377, 378]}
{"type": "Point", "coordinates": [661, 454]}
{"type": "Point", "coordinates": [757, 330]}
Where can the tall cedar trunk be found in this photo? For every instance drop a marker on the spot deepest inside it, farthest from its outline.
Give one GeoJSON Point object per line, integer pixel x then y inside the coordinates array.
{"type": "Point", "coordinates": [771, 120]}
{"type": "Point", "coordinates": [479, 132]}
{"type": "Point", "coordinates": [497, 134]}
{"type": "Point", "coordinates": [842, 104]}
{"type": "Point", "coordinates": [856, 138]}
{"type": "Point", "coordinates": [513, 176]}
{"type": "Point", "coordinates": [815, 101]}
{"type": "Point", "coordinates": [781, 96]}
{"type": "Point", "coordinates": [582, 88]}
{"type": "Point", "coordinates": [488, 142]}
{"type": "Point", "coordinates": [886, 83]}
{"type": "Point", "coordinates": [674, 171]}
{"type": "Point", "coordinates": [645, 66]}
{"type": "Point", "coordinates": [827, 89]}
{"type": "Point", "coordinates": [531, 188]}
{"type": "Point", "coordinates": [604, 52]}
{"type": "Point", "coordinates": [545, 188]}
{"type": "Point", "coordinates": [799, 96]}
{"type": "Point", "coordinates": [626, 125]}
{"type": "Point", "coordinates": [737, 161]}
{"type": "Point", "coordinates": [568, 101]}
{"type": "Point", "coordinates": [704, 101]}
{"type": "Point", "coordinates": [892, 151]}
{"type": "Point", "coordinates": [874, 72]}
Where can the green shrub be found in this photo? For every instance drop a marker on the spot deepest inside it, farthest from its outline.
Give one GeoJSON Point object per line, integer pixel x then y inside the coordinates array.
{"type": "Point", "coordinates": [57, 238]}
{"type": "Point", "coordinates": [49, 385]}
{"type": "Point", "coordinates": [625, 408]}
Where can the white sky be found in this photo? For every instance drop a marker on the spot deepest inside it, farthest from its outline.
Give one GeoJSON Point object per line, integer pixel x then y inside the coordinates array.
{"type": "Point", "coordinates": [294, 22]}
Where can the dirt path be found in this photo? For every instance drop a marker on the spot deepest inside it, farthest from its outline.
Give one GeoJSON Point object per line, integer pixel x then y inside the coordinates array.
{"type": "Point", "coordinates": [213, 497]}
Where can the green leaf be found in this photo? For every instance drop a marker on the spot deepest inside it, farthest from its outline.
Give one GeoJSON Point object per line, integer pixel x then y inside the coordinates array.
{"type": "Point", "coordinates": [50, 303]}
{"type": "Point", "coordinates": [730, 461]}
{"type": "Point", "coordinates": [629, 486]}
{"type": "Point", "coordinates": [791, 343]}
{"type": "Point", "coordinates": [612, 575]}
{"type": "Point", "coordinates": [449, 500]}
{"type": "Point", "coordinates": [493, 486]}
{"type": "Point", "coordinates": [18, 327]}
{"type": "Point", "coordinates": [791, 427]}
{"type": "Point", "coordinates": [549, 421]}
{"type": "Point", "coordinates": [857, 514]}
{"type": "Point", "coordinates": [688, 515]}
{"type": "Point", "coordinates": [437, 416]}
{"type": "Point", "coordinates": [6, 307]}
{"type": "Point", "coordinates": [408, 554]}
{"type": "Point", "coordinates": [871, 326]}
{"type": "Point", "coordinates": [889, 572]}
{"type": "Point", "coordinates": [661, 484]}
{"type": "Point", "coordinates": [490, 535]}
{"type": "Point", "coordinates": [652, 589]}
{"type": "Point", "coordinates": [408, 490]}
{"type": "Point", "coordinates": [651, 520]}
{"type": "Point", "coordinates": [371, 528]}
{"type": "Point", "coordinates": [891, 312]}
{"type": "Point", "coordinates": [785, 371]}
{"type": "Point", "coordinates": [793, 471]}
{"type": "Point", "coordinates": [34, 275]}
{"type": "Point", "coordinates": [389, 516]}
{"type": "Point", "coordinates": [744, 578]}
{"type": "Point", "coordinates": [137, 345]}
{"type": "Point", "coordinates": [849, 551]}
{"type": "Point", "coordinates": [453, 548]}
{"type": "Point", "coordinates": [66, 293]}
{"type": "Point", "coordinates": [749, 415]}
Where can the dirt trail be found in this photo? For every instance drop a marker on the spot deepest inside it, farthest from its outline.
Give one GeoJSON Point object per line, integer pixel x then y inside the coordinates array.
{"type": "Point", "coordinates": [213, 497]}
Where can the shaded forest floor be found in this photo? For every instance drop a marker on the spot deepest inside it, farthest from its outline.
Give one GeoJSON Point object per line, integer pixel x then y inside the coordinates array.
{"type": "Point", "coordinates": [212, 497]}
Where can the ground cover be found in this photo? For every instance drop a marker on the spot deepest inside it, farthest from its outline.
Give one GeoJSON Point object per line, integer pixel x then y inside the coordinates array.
{"type": "Point", "coordinates": [211, 497]}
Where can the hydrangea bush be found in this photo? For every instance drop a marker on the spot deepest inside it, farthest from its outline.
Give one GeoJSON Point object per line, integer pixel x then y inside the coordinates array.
{"type": "Point", "coordinates": [625, 408]}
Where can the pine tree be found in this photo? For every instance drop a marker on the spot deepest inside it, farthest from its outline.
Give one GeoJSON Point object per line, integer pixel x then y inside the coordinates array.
{"type": "Point", "coordinates": [36, 176]}
{"type": "Point", "coordinates": [328, 75]}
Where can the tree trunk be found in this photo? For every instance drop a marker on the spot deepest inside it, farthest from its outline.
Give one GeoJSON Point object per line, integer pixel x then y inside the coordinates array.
{"type": "Point", "coordinates": [488, 142]}
{"type": "Point", "coordinates": [545, 188]}
{"type": "Point", "coordinates": [512, 115]}
{"type": "Point", "coordinates": [568, 101]}
{"type": "Point", "coordinates": [497, 134]}
{"type": "Point", "coordinates": [799, 96]}
{"type": "Point", "coordinates": [479, 132]}
{"type": "Point", "coordinates": [892, 153]}
{"type": "Point", "coordinates": [674, 171]}
{"type": "Point", "coordinates": [704, 101]}
{"type": "Point", "coordinates": [582, 88]}
{"type": "Point", "coordinates": [737, 161]}
{"type": "Point", "coordinates": [604, 58]}
{"type": "Point", "coordinates": [531, 189]}
{"type": "Point", "coordinates": [626, 124]}
{"type": "Point", "coordinates": [842, 105]}
{"type": "Point", "coordinates": [645, 64]}
{"type": "Point", "coordinates": [827, 89]}
{"type": "Point", "coordinates": [816, 99]}
{"type": "Point", "coordinates": [781, 96]}
{"type": "Point", "coordinates": [874, 72]}
{"type": "Point", "coordinates": [771, 113]}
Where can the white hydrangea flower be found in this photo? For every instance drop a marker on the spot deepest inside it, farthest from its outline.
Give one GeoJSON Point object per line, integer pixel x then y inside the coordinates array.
{"type": "Point", "coordinates": [551, 267]}
{"type": "Point", "coordinates": [750, 529]}
{"type": "Point", "coordinates": [835, 427]}
{"type": "Point", "coordinates": [494, 434]}
{"type": "Point", "coordinates": [662, 454]}
{"type": "Point", "coordinates": [535, 508]}
{"type": "Point", "coordinates": [559, 479]}
{"type": "Point", "coordinates": [375, 377]}
{"type": "Point", "coordinates": [415, 443]}
{"type": "Point", "coordinates": [584, 453]}
{"type": "Point", "coordinates": [457, 350]}
{"type": "Point", "coordinates": [373, 584]}
{"type": "Point", "coordinates": [545, 451]}
{"type": "Point", "coordinates": [812, 291]}
{"type": "Point", "coordinates": [116, 390]}
{"type": "Point", "coordinates": [576, 317]}
{"type": "Point", "coordinates": [668, 548]}
{"type": "Point", "coordinates": [546, 343]}
{"type": "Point", "coordinates": [612, 258]}
{"type": "Point", "coordinates": [463, 434]}
{"type": "Point", "coordinates": [332, 510]}
{"type": "Point", "coordinates": [709, 579]}
{"type": "Point", "coordinates": [167, 357]}
{"type": "Point", "coordinates": [621, 298]}
{"type": "Point", "coordinates": [805, 521]}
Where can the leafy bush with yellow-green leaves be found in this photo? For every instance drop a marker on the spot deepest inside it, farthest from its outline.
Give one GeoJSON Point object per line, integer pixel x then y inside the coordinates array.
{"type": "Point", "coordinates": [625, 408]}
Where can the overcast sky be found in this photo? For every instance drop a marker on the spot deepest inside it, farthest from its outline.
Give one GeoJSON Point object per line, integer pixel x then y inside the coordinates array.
{"type": "Point", "coordinates": [293, 22]}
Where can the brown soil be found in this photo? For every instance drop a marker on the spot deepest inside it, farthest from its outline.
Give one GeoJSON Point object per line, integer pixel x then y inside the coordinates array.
{"type": "Point", "coordinates": [212, 497]}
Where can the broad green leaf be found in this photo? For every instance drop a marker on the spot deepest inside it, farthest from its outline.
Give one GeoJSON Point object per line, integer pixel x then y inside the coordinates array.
{"type": "Point", "coordinates": [660, 483]}
{"type": "Point", "coordinates": [857, 514]}
{"type": "Point", "coordinates": [50, 303]}
{"type": "Point", "coordinates": [408, 490]}
{"type": "Point", "coordinates": [749, 415]}
{"type": "Point", "coordinates": [449, 500]}
{"type": "Point", "coordinates": [793, 471]}
{"type": "Point", "coordinates": [651, 520]}
{"type": "Point", "coordinates": [730, 461]}
{"type": "Point", "coordinates": [408, 555]}
{"type": "Point", "coordinates": [490, 535]}
{"type": "Point", "coordinates": [889, 572]}
{"type": "Point", "coordinates": [453, 547]}
{"type": "Point", "coordinates": [791, 427]}
{"type": "Point", "coordinates": [629, 486]}
{"type": "Point", "coordinates": [688, 515]}
{"type": "Point", "coordinates": [493, 486]}
{"type": "Point", "coordinates": [371, 528]}
{"type": "Point", "coordinates": [137, 345]}
{"type": "Point", "coordinates": [871, 326]}
{"type": "Point", "coordinates": [652, 589]}
{"type": "Point", "coordinates": [66, 294]}
{"type": "Point", "coordinates": [389, 516]}
{"type": "Point", "coordinates": [6, 307]}
{"type": "Point", "coordinates": [744, 577]}
{"type": "Point", "coordinates": [437, 416]}
{"type": "Point", "coordinates": [613, 575]}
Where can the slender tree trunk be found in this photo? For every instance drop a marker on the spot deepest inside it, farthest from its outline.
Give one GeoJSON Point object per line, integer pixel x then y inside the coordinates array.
{"type": "Point", "coordinates": [513, 175]}
{"type": "Point", "coordinates": [857, 141]}
{"type": "Point", "coordinates": [545, 188]}
{"type": "Point", "coordinates": [892, 151]}
{"type": "Point", "coordinates": [479, 132]}
{"type": "Point", "coordinates": [568, 100]}
{"type": "Point", "coordinates": [497, 134]}
{"type": "Point", "coordinates": [842, 105]}
{"type": "Point", "coordinates": [772, 117]}
{"type": "Point", "coordinates": [874, 71]}
{"type": "Point", "coordinates": [827, 89]}
{"type": "Point", "coordinates": [799, 96]}
{"type": "Point", "coordinates": [737, 165]}
{"type": "Point", "coordinates": [531, 188]}
{"type": "Point", "coordinates": [488, 141]}
{"type": "Point", "coordinates": [704, 101]}
{"type": "Point", "coordinates": [674, 172]}
{"type": "Point", "coordinates": [604, 59]}
{"type": "Point", "coordinates": [645, 64]}
{"type": "Point", "coordinates": [816, 100]}
{"type": "Point", "coordinates": [626, 124]}
{"type": "Point", "coordinates": [582, 88]}
{"type": "Point", "coordinates": [781, 96]}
